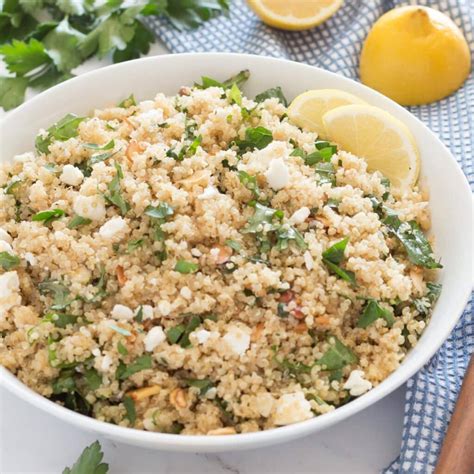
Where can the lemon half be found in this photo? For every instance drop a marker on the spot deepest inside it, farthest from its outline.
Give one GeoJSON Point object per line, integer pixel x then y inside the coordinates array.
{"type": "Point", "coordinates": [307, 110]}
{"type": "Point", "coordinates": [415, 55]}
{"type": "Point", "coordinates": [294, 14]}
{"type": "Point", "coordinates": [382, 140]}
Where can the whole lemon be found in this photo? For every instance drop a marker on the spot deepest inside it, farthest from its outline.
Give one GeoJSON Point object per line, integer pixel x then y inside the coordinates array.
{"type": "Point", "coordinates": [415, 55]}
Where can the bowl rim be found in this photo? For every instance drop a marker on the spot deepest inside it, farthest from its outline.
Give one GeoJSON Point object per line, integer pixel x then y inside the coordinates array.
{"type": "Point", "coordinates": [205, 443]}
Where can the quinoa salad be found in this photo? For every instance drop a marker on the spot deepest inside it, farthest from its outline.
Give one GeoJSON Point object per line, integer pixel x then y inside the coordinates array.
{"type": "Point", "coordinates": [197, 264]}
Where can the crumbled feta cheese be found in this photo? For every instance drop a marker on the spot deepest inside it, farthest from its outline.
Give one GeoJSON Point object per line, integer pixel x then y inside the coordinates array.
{"type": "Point", "coordinates": [211, 393]}
{"type": "Point", "coordinates": [186, 293]}
{"type": "Point", "coordinates": [24, 157]}
{"type": "Point", "coordinates": [154, 338]}
{"type": "Point", "coordinates": [90, 207]}
{"type": "Point", "coordinates": [308, 260]}
{"type": "Point", "coordinates": [299, 216]}
{"type": "Point", "coordinates": [146, 105]}
{"type": "Point", "coordinates": [201, 336]}
{"type": "Point", "coordinates": [209, 193]}
{"type": "Point", "coordinates": [122, 312]}
{"type": "Point", "coordinates": [278, 175]}
{"type": "Point", "coordinates": [237, 339]}
{"type": "Point", "coordinates": [30, 258]}
{"type": "Point", "coordinates": [164, 307]}
{"type": "Point", "coordinates": [147, 311]}
{"type": "Point", "coordinates": [5, 236]}
{"type": "Point", "coordinates": [71, 175]}
{"type": "Point", "coordinates": [9, 292]}
{"type": "Point", "coordinates": [105, 363]}
{"type": "Point", "coordinates": [6, 247]}
{"type": "Point", "coordinates": [195, 252]}
{"type": "Point", "coordinates": [95, 351]}
{"type": "Point", "coordinates": [113, 228]}
{"type": "Point", "coordinates": [356, 384]}
{"type": "Point", "coordinates": [292, 408]}
{"type": "Point", "coordinates": [264, 403]}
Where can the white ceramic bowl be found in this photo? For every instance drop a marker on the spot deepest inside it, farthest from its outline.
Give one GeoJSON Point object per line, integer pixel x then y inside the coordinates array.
{"type": "Point", "coordinates": [450, 201]}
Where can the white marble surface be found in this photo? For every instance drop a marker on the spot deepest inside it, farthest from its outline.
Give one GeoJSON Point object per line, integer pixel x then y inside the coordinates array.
{"type": "Point", "coordinates": [34, 442]}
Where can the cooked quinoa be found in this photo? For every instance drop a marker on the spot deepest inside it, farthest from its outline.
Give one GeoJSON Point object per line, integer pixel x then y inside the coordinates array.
{"type": "Point", "coordinates": [197, 264]}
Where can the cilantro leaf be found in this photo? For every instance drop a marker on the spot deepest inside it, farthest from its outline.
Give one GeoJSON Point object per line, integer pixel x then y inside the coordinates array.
{"type": "Point", "coordinates": [140, 363]}
{"type": "Point", "coordinates": [409, 234]}
{"type": "Point", "coordinates": [12, 91]}
{"type": "Point", "coordinates": [48, 216]}
{"type": "Point", "coordinates": [115, 194]}
{"type": "Point", "coordinates": [182, 266]}
{"type": "Point", "coordinates": [62, 130]}
{"type": "Point", "coordinates": [258, 137]}
{"type": "Point", "coordinates": [22, 57]}
{"type": "Point", "coordinates": [285, 234]}
{"type": "Point", "coordinates": [273, 92]}
{"type": "Point", "coordinates": [337, 356]}
{"type": "Point", "coordinates": [8, 261]}
{"type": "Point", "coordinates": [89, 462]}
{"type": "Point", "coordinates": [138, 45]}
{"type": "Point", "coordinates": [372, 312]}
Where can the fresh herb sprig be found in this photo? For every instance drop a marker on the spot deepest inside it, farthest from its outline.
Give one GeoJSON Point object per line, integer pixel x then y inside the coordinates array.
{"type": "Point", "coordinates": [40, 54]}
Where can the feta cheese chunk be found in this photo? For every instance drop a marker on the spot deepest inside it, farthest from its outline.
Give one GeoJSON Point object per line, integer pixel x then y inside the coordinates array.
{"type": "Point", "coordinates": [9, 292]}
{"type": "Point", "coordinates": [356, 384]}
{"type": "Point", "coordinates": [122, 312]}
{"type": "Point", "coordinates": [202, 336]}
{"type": "Point", "coordinates": [71, 175]}
{"type": "Point", "coordinates": [308, 261]}
{"type": "Point", "coordinates": [237, 340]}
{"type": "Point", "coordinates": [90, 207]}
{"type": "Point", "coordinates": [154, 338]}
{"type": "Point", "coordinates": [5, 236]}
{"type": "Point", "coordinates": [114, 228]}
{"type": "Point", "coordinates": [278, 175]}
{"type": "Point", "coordinates": [208, 193]}
{"type": "Point", "coordinates": [299, 216]}
{"type": "Point", "coordinates": [6, 247]}
{"type": "Point", "coordinates": [147, 311]}
{"type": "Point", "coordinates": [292, 408]}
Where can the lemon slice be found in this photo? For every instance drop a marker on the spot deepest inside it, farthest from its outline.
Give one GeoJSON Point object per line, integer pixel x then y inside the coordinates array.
{"type": "Point", "coordinates": [307, 110]}
{"type": "Point", "coordinates": [294, 14]}
{"type": "Point", "coordinates": [382, 140]}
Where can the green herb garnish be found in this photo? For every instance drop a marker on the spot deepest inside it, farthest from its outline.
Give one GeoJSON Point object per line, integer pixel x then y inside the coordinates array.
{"type": "Point", "coordinates": [89, 462]}
{"type": "Point", "coordinates": [8, 261]}
{"type": "Point", "coordinates": [272, 92]}
{"type": "Point", "coordinates": [424, 305]}
{"type": "Point", "coordinates": [140, 363]}
{"type": "Point", "coordinates": [58, 291]}
{"type": "Point", "coordinates": [182, 266]}
{"type": "Point", "coordinates": [63, 130]}
{"type": "Point", "coordinates": [238, 80]}
{"type": "Point", "coordinates": [48, 216]}
{"type": "Point", "coordinates": [250, 182]}
{"type": "Point", "coordinates": [258, 137]}
{"type": "Point", "coordinates": [333, 257]}
{"type": "Point", "coordinates": [94, 146]}
{"type": "Point", "coordinates": [60, 320]}
{"type": "Point", "coordinates": [372, 312]}
{"type": "Point", "coordinates": [202, 384]}
{"type": "Point", "coordinates": [129, 405]}
{"type": "Point", "coordinates": [122, 350]}
{"type": "Point", "coordinates": [337, 356]}
{"type": "Point", "coordinates": [233, 245]}
{"type": "Point", "coordinates": [78, 221]}
{"type": "Point", "coordinates": [115, 194]}
{"type": "Point", "coordinates": [128, 102]}
{"type": "Point", "coordinates": [159, 214]}
{"type": "Point", "coordinates": [180, 334]}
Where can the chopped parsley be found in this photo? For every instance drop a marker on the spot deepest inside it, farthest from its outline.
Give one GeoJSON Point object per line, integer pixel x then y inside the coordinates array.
{"type": "Point", "coordinates": [235, 95]}
{"type": "Point", "coordinates": [180, 334]}
{"type": "Point", "coordinates": [8, 261]}
{"type": "Point", "coordinates": [78, 221]}
{"type": "Point", "coordinates": [122, 350]}
{"type": "Point", "coordinates": [140, 363]}
{"type": "Point", "coordinates": [182, 266]}
{"type": "Point", "coordinates": [129, 406]}
{"type": "Point", "coordinates": [58, 291]}
{"type": "Point", "coordinates": [333, 257]}
{"type": "Point", "coordinates": [425, 304]}
{"type": "Point", "coordinates": [238, 80]}
{"type": "Point", "coordinates": [287, 233]}
{"type": "Point", "coordinates": [250, 182]}
{"type": "Point", "coordinates": [62, 130]}
{"type": "Point", "coordinates": [272, 92]}
{"type": "Point", "coordinates": [12, 187]}
{"type": "Point", "coordinates": [89, 462]}
{"type": "Point", "coordinates": [115, 194]}
{"type": "Point", "coordinates": [204, 385]}
{"type": "Point", "coordinates": [409, 234]}
{"type": "Point", "coordinates": [48, 216]}
{"type": "Point", "coordinates": [134, 245]}
{"type": "Point", "coordinates": [94, 146]}
{"type": "Point", "coordinates": [128, 102]}
{"type": "Point", "coordinates": [234, 245]}
{"type": "Point", "coordinates": [373, 311]}
{"type": "Point", "coordinates": [337, 356]}
{"type": "Point", "coordinates": [159, 214]}
{"type": "Point", "coordinates": [60, 320]}
{"type": "Point", "coordinates": [258, 137]}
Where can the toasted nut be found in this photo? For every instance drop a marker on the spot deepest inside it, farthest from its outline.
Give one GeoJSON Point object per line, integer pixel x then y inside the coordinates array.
{"type": "Point", "coordinates": [322, 320]}
{"type": "Point", "coordinates": [287, 296]}
{"type": "Point", "coordinates": [200, 177]}
{"type": "Point", "coordinates": [324, 220]}
{"type": "Point", "coordinates": [221, 254]}
{"type": "Point", "coordinates": [142, 393]}
{"type": "Point", "coordinates": [185, 90]}
{"type": "Point", "coordinates": [301, 328]}
{"type": "Point", "coordinates": [133, 147]}
{"type": "Point", "coordinates": [178, 398]}
{"type": "Point", "coordinates": [257, 332]}
{"type": "Point", "coordinates": [222, 431]}
{"type": "Point", "coordinates": [121, 278]}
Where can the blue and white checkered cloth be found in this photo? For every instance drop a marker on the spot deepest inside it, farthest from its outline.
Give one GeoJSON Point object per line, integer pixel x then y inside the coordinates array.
{"type": "Point", "coordinates": [335, 45]}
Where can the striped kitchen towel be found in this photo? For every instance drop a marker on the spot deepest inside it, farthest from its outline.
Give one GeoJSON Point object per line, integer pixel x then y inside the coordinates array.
{"type": "Point", "coordinates": [335, 46]}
